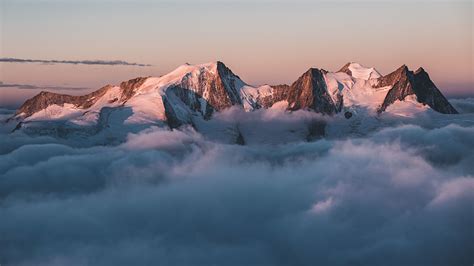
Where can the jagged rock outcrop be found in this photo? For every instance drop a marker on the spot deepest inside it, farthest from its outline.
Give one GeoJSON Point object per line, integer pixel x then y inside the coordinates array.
{"type": "Point", "coordinates": [198, 91]}
{"type": "Point", "coordinates": [427, 93]}
{"type": "Point", "coordinates": [404, 82]}
{"type": "Point", "coordinates": [310, 92]}
{"type": "Point", "coordinates": [210, 91]}
{"type": "Point", "coordinates": [401, 85]}
{"type": "Point", "coordinates": [129, 87]}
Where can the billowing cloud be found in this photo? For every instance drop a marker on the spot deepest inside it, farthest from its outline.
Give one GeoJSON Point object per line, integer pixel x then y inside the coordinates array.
{"type": "Point", "coordinates": [401, 195]}
{"type": "Point", "coordinates": [463, 105]}
{"type": "Point", "coordinates": [73, 62]}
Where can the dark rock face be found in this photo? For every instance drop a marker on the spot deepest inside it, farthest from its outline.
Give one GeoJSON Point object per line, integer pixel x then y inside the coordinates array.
{"type": "Point", "coordinates": [129, 87]}
{"type": "Point", "coordinates": [310, 92]}
{"type": "Point", "coordinates": [427, 93]}
{"type": "Point", "coordinates": [218, 91]}
{"type": "Point", "coordinates": [171, 117]}
{"type": "Point", "coordinates": [226, 80]}
{"type": "Point", "coordinates": [400, 80]}
{"type": "Point", "coordinates": [401, 74]}
{"type": "Point", "coordinates": [404, 83]}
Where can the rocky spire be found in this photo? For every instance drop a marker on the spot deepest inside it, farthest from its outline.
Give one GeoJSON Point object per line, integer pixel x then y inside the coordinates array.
{"type": "Point", "coordinates": [310, 92]}
{"type": "Point", "coordinates": [404, 82]}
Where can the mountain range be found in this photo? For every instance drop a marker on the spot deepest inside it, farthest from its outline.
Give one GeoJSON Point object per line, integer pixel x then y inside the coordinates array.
{"type": "Point", "coordinates": [194, 93]}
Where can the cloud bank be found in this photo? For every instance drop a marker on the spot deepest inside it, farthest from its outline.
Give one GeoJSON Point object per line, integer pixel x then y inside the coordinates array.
{"type": "Point", "coordinates": [463, 105]}
{"type": "Point", "coordinates": [73, 62]}
{"type": "Point", "coordinates": [399, 196]}
{"type": "Point", "coordinates": [37, 87]}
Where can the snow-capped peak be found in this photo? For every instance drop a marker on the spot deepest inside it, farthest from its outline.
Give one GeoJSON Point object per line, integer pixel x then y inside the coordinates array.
{"type": "Point", "coordinates": [359, 71]}
{"type": "Point", "coordinates": [187, 67]}
{"type": "Point", "coordinates": [193, 92]}
{"type": "Point", "coordinates": [188, 70]}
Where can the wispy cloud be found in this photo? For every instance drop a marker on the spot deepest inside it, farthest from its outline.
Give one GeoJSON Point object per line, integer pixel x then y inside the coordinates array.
{"type": "Point", "coordinates": [36, 87]}
{"type": "Point", "coordinates": [73, 62]}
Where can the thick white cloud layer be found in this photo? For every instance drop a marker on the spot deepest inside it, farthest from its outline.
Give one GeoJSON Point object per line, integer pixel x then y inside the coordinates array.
{"type": "Point", "coordinates": [401, 195]}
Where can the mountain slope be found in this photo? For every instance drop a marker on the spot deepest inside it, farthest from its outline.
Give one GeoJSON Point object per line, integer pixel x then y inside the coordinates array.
{"type": "Point", "coordinates": [310, 92]}
{"type": "Point", "coordinates": [404, 82]}
{"type": "Point", "coordinates": [188, 89]}
{"type": "Point", "coordinates": [191, 94]}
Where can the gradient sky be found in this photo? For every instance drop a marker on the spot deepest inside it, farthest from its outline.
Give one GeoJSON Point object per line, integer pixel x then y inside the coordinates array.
{"type": "Point", "coordinates": [261, 41]}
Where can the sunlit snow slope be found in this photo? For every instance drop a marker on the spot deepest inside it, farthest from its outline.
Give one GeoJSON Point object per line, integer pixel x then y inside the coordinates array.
{"type": "Point", "coordinates": [194, 94]}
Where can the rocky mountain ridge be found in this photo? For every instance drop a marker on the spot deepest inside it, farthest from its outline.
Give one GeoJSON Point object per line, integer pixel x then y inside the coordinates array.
{"type": "Point", "coordinates": [193, 91]}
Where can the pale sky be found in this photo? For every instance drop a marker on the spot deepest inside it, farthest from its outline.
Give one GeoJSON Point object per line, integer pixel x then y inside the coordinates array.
{"type": "Point", "coordinates": [261, 41]}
